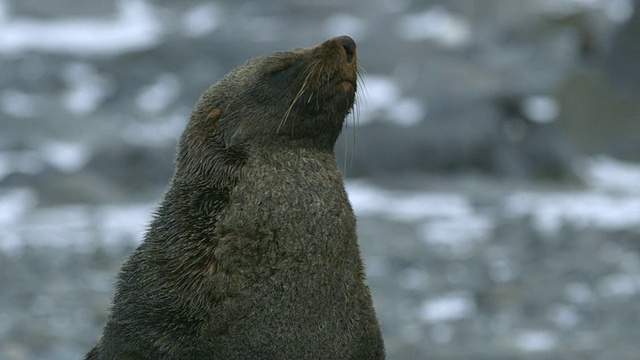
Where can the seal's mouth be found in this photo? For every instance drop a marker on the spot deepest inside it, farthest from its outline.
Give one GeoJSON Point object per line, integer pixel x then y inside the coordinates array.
{"type": "Point", "coordinates": [347, 62]}
{"type": "Point", "coordinates": [328, 82]}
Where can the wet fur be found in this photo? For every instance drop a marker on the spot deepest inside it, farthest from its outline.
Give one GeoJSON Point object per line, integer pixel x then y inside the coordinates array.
{"type": "Point", "coordinates": [253, 252]}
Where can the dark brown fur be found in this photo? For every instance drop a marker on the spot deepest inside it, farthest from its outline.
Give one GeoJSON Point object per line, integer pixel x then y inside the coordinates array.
{"type": "Point", "coordinates": [253, 252]}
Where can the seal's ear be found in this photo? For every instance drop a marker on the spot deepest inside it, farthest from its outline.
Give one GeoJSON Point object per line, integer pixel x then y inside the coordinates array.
{"type": "Point", "coordinates": [220, 129]}
{"type": "Point", "coordinates": [213, 118]}
{"type": "Point", "coordinates": [213, 123]}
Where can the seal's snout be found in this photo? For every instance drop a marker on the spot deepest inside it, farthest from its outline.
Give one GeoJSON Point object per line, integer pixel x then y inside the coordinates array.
{"type": "Point", "coordinates": [349, 46]}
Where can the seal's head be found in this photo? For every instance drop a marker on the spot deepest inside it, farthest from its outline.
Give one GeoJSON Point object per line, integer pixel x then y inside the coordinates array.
{"type": "Point", "coordinates": [299, 97]}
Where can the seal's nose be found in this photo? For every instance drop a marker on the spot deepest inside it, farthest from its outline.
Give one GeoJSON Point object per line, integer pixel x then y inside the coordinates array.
{"type": "Point", "coordinates": [349, 46]}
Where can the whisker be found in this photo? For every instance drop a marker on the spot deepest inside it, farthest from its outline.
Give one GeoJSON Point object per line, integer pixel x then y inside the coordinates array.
{"type": "Point", "coordinates": [310, 72]}
{"type": "Point", "coordinates": [355, 115]}
{"type": "Point", "coordinates": [295, 99]}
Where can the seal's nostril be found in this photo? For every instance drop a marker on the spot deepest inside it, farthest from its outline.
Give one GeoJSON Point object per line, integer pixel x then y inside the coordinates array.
{"type": "Point", "coordinates": [349, 46]}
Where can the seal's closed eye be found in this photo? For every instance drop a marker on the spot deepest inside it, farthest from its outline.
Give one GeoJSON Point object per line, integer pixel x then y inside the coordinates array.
{"type": "Point", "coordinates": [279, 71]}
{"type": "Point", "coordinates": [282, 67]}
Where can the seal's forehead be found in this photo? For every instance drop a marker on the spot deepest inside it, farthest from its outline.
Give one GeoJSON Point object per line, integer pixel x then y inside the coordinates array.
{"type": "Point", "coordinates": [255, 69]}
{"type": "Point", "coordinates": [267, 63]}
{"type": "Point", "coordinates": [276, 58]}
{"type": "Point", "coordinates": [247, 70]}
{"type": "Point", "coordinates": [258, 64]}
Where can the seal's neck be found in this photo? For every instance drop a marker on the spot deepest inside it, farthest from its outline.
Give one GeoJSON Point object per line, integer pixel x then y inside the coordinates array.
{"type": "Point", "coordinates": [284, 143]}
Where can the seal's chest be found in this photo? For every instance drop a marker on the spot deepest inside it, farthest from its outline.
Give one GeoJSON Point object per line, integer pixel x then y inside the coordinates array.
{"type": "Point", "coordinates": [302, 195]}
{"type": "Point", "coordinates": [304, 192]}
{"type": "Point", "coordinates": [295, 180]}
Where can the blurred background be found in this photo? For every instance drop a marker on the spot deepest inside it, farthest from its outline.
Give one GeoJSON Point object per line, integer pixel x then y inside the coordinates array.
{"type": "Point", "coordinates": [493, 161]}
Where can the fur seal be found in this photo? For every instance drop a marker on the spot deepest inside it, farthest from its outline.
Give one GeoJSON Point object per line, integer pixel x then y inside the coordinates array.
{"type": "Point", "coordinates": [253, 252]}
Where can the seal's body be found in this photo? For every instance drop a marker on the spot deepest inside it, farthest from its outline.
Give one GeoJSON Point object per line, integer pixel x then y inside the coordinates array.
{"type": "Point", "coordinates": [253, 252]}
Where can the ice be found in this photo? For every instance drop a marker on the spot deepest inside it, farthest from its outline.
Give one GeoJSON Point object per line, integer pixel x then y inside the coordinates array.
{"type": "Point", "coordinates": [453, 216]}
{"type": "Point", "coordinates": [408, 112]}
{"type": "Point", "coordinates": [376, 266]}
{"type": "Point", "coordinates": [551, 210]}
{"type": "Point", "coordinates": [413, 279]}
{"type": "Point", "coordinates": [156, 97]}
{"type": "Point", "coordinates": [65, 156]}
{"type": "Point", "coordinates": [536, 341]}
{"type": "Point", "coordinates": [381, 92]}
{"type": "Point", "coordinates": [340, 24]}
{"type": "Point", "coordinates": [613, 175]}
{"type": "Point", "coordinates": [18, 104]}
{"type": "Point", "coordinates": [79, 227]}
{"type": "Point", "coordinates": [618, 11]}
{"type": "Point", "coordinates": [383, 101]}
{"type": "Point", "coordinates": [134, 27]}
{"type": "Point", "coordinates": [201, 20]}
{"type": "Point", "coordinates": [451, 224]}
{"type": "Point", "coordinates": [14, 204]}
{"type": "Point", "coordinates": [124, 223]}
{"type": "Point", "coordinates": [25, 162]}
{"type": "Point", "coordinates": [442, 333]}
{"type": "Point", "coordinates": [421, 205]}
{"type": "Point", "coordinates": [456, 236]}
{"type": "Point", "coordinates": [164, 131]}
{"type": "Point", "coordinates": [619, 285]}
{"type": "Point", "coordinates": [541, 109]}
{"type": "Point", "coordinates": [502, 270]}
{"type": "Point", "coordinates": [436, 24]}
{"type": "Point", "coordinates": [564, 316]}
{"type": "Point", "coordinates": [368, 199]}
{"type": "Point", "coordinates": [87, 88]}
{"type": "Point", "coordinates": [449, 307]}
{"type": "Point", "coordinates": [579, 293]}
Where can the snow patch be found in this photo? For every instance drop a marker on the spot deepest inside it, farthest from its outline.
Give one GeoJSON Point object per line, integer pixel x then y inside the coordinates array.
{"type": "Point", "coordinates": [133, 28]}
{"type": "Point", "coordinates": [436, 24]}
{"type": "Point", "coordinates": [536, 341]}
{"type": "Point", "coordinates": [450, 307]}
{"type": "Point", "coordinates": [550, 211]}
{"type": "Point", "coordinates": [341, 23]}
{"type": "Point", "coordinates": [541, 109]}
{"type": "Point", "coordinates": [87, 88]}
{"type": "Point", "coordinates": [201, 20]}
{"type": "Point", "coordinates": [613, 175]}
{"type": "Point", "coordinates": [383, 101]}
{"type": "Point", "coordinates": [158, 96]}
{"type": "Point", "coordinates": [369, 200]}
{"type": "Point", "coordinates": [18, 104]}
{"type": "Point", "coordinates": [64, 156]}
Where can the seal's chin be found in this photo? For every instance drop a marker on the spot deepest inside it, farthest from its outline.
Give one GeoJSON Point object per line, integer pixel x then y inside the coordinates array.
{"type": "Point", "coordinates": [347, 87]}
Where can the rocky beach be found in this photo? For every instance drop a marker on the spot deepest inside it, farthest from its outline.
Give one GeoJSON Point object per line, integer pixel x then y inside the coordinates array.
{"type": "Point", "coordinates": [493, 161]}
